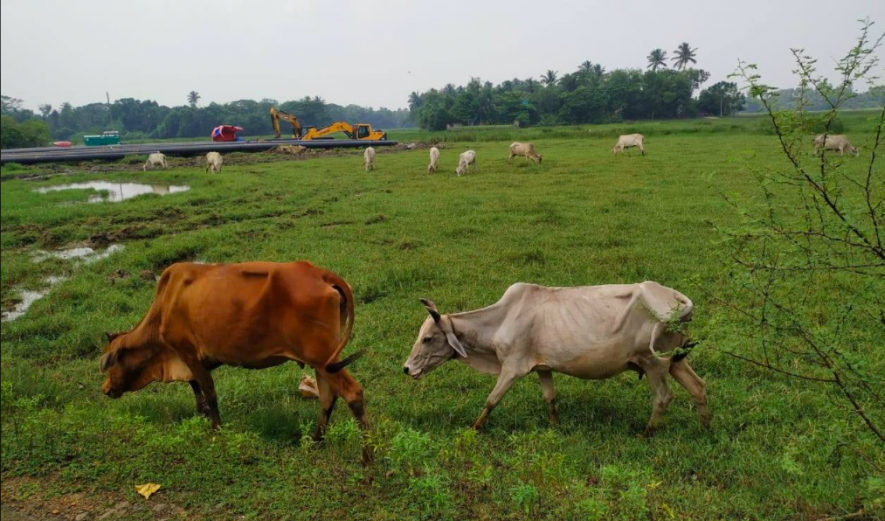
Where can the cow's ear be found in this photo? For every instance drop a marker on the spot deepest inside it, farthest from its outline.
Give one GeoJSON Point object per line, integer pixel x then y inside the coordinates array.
{"type": "Point", "coordinates": [456, 344]}
{"type": "Point", "coordinates": [431, 308]}
{"type": "Point", "coordinates": [111, 336]}
{"type": "Point", "coordinates": [108, 360]}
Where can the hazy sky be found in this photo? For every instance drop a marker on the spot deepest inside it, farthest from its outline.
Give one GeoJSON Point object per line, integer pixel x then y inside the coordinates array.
{"type": "Point", "coordinates": [374, 53]}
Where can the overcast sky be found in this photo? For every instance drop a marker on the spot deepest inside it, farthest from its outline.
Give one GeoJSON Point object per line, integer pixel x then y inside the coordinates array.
{"type": "Point", "coordinates": [374, 53]}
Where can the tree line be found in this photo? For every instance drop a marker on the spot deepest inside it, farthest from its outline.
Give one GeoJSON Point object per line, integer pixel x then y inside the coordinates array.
{"type": "Point", "coordinates": [146, 119]}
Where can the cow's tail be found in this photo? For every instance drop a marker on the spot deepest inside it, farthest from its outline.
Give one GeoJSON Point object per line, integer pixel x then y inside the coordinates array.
{"type": "Point", "coordinates": [343, 288]}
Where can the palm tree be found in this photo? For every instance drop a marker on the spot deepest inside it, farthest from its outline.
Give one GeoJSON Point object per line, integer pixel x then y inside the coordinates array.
{"type": "Point", "coordinates": [587, 66]}
{"type": "Point", "coordinates": [657, 58]}
{"type": "Point", "coordinates": [549, 78]}
{"type": "Point", "coordinates": [684, 55]}
{"type": "Point", "coordinates": [598, 70]}
{"type": "Point", "coordinates": [415, 101]}
{"type": "Point", "coordinates": [193, 97]}
{"type": "Point", "coordinates": [530, 85]}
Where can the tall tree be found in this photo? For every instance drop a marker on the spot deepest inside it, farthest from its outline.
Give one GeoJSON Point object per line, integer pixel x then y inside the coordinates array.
{"type": "Point", "coordinates": [549, 78]}
{"type": "Point", "coordinates": [586, 66]}
{"type": "Point", "coordinates": [657, 58]}
{"type": "Point", "coordinates": [684, 55]}
{"type": "Point", "coordinates": [723, 98]}
{"type": "Point", "coordinates": [193, 97]}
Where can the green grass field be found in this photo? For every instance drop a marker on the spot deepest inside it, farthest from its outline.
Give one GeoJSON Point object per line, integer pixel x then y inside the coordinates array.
{"type": "Point", "coordinates": [779, 449]}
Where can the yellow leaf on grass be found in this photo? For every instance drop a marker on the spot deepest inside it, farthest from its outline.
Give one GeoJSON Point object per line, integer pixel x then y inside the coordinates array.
{"type": "Point", "coordinates": [147, 490]}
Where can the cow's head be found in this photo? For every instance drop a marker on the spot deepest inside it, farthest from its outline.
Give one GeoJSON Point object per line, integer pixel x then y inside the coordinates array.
{"type": "Point", "coordinates": [127, 368]}
{"type": "Point", "coordinates": [436, 344]}
{"type": "Point", "coordinates": [540, 158]}
{"type": "Point", "coordinates": [853, 151]}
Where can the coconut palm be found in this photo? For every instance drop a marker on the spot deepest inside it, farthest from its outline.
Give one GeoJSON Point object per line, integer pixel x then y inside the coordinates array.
{"type": "Point", "coordinates": [587, 66]}
{"type": "Point", "coordinates": [530, 85]}
{"type": "Point", "coordinates": [657, 58]}
{"type": "Point", "coordinates": [193, 97]}
{"type": "Point", "coordinates": [684, 55]}
{"type": "Point", "coordinates": [549, 78]}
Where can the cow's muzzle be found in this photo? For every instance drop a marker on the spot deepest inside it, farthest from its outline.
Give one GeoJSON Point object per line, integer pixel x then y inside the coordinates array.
{"type": "Point", "coordinates": [111, 392]}
{"type": "Point", "coordinates": [414, 373]}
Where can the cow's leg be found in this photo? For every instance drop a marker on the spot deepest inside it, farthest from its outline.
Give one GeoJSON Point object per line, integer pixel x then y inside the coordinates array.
{"type": "Point", "coordinates": [345, 386]}
{"type": "Point", "coordinates": [641, 150]}
{"type": "Point", "coordinates": [546, 378]}
{"type": "Point", "coordinates": [328, 397]}
{"type": "Point", "coordinates": [687, 378]}
{"type": "Point", "coordinates": [505, 381]}
{"type": "Point", "coordinates": [510, 159]}
{"type": "Point", "coordinates": [202, 404]}
{"type": "Point", "coordinates": [656, 372]}
{"type": "Point", "coordinates": [203, 378]}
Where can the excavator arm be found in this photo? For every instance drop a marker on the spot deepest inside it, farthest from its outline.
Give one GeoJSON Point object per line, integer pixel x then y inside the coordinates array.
{"type": "Point", "coordinates": [278, 115]}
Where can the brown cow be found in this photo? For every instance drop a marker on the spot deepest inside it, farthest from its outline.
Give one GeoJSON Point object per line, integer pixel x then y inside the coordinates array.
{"type": "Point", "coordinates": [252, 315]}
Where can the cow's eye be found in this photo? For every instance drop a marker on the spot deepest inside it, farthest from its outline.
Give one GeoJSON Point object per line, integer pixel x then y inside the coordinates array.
{"type": "Point", "coordinates": [427, 339]}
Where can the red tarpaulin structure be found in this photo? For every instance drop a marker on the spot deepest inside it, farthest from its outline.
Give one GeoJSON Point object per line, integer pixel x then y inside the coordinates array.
{"type": "Point", "coordinates": [225, 133]}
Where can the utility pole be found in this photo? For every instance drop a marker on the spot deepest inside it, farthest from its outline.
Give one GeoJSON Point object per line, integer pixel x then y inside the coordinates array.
{"type": "Point", "coordinates": [108, 96]}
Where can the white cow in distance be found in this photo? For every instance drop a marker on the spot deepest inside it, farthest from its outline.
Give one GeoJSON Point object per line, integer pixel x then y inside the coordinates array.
{"type": "Point", "coordinates": [155, 159]}
{"type": "Point", "coordinates": [464, 161]}
{"type": "Point", "coordinates": [629, 141]}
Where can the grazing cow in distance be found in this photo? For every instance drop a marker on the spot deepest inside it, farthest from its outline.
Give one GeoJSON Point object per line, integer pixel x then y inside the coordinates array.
{"type": "Point", "coordinates": [434, 160]}
{"type": "Point", "coordinates": [369, 157]}
{"type": "Point", "coordinates": [214, 162]}
{"type": "Point", "coordinates": [524, 149]}
{"type": "Point", "coordinates": [155, 159]}
{"type": "Point", "coordinates": [590, 332]}
{"type": "Point", "coordinates": [252, 315]}
{"type": "Point", "coordinates": [834, 142]}
{"type": "Point", "coordinates": [464, 161]}
{"type": "Point", "coordinates": [628, 141]}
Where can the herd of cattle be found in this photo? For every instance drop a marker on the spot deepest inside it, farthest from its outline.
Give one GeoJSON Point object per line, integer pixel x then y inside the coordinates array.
{"type": "Point", "coordinates": [214, 160]}
{"type": "Point", "coordinates": [261, 314]}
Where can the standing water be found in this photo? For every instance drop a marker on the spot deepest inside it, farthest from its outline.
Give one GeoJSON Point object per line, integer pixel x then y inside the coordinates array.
{"type": "Point", "coordinates": [116, 192]}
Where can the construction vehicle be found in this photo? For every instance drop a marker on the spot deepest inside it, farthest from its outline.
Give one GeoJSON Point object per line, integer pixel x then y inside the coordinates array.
{"type": "Point", "coordinates": [278, 115]}
{"type": "Point", "coordinates": [360, 131]}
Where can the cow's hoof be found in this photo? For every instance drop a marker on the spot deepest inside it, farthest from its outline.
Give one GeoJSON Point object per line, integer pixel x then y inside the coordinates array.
{"type": "Point", "coordinates": [648, 432]}
{"type": "Point", "coordinates": [368, 456]}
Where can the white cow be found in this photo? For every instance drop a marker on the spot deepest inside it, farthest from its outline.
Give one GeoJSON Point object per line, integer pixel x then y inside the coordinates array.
{"type": "Point", "coordinates": [434, 160]}
{"type": "Point", "coordinates": [834, 142]}
{"type": "Point", "coordinates": [524, 149]}
{"type": "Point", "coordinates": [369, 157]}
{"type": "Point", "coordinates": [155, 159]}
{"type": "Point", "coordinates": [590, 332]}
{"type": "Point", "coordinates": [628, 141]}
{"type": "Point", "coordinates": [214, 162]}
{"type": "Point", "coordinates": [464, 161]}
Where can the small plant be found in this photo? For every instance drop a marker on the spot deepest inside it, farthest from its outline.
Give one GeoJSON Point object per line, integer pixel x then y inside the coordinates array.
{"type": "Point", "coordinates": [410, 449]}
{"type": "Point", "coordinates": [525, 496]}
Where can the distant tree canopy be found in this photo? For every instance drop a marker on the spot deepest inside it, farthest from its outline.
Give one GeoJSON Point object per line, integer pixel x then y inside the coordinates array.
{"type": "Point", "coordinates": [722, 99]}
{"type": "Point", "coordinates": [785, 99]}
{"type": "Point", "coordinates": [19, 127]}
{"type": "Point", "coordinates": [145, 119]}
{"type": "Point", "coordinates": [30, 133]}
{"type": "Point", "coordinates": [588, 95]}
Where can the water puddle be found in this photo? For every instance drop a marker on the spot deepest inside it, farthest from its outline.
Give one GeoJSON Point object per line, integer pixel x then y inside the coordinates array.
{"type": "Point", "coordinates": [116, 192]}
{"type": "Point", "coordinates": [28, 299]}
{"type": "Point", "coordinates": [84, 253]}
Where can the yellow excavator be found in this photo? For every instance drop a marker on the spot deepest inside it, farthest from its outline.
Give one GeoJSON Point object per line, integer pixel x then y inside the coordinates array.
{"type": "Point", "coordinates": [361, 131]}
{"type": "Point", "coordinates": [278, 115]}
